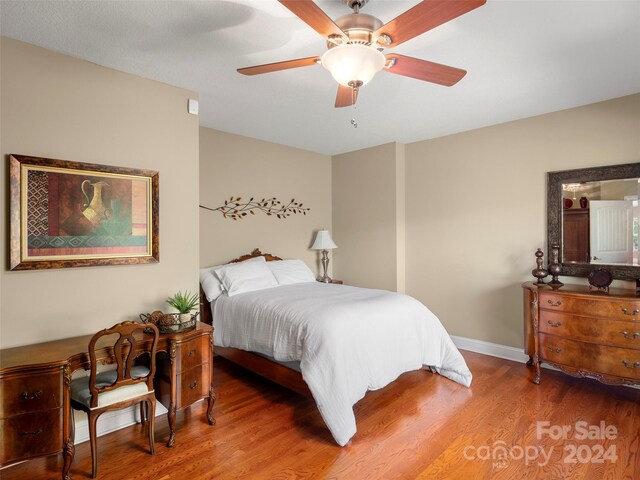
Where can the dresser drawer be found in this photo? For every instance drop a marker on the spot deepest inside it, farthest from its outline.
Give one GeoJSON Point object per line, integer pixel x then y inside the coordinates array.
{"type": "Point", "coordinates": [193, 385]}
{"type": "Point", "coordinates": [192, 353]}
{"type": "Point", "coordinates": [595, 330]}
{"type": "Point", "coordinates": [187, 355]}
{"type": "Point", "coordinates": [27, 392]}
{"type": "Point", "coordinates": [593, 306]}
{"type": "Point", "coordinates": [621, 362]}
{"type": "Point", "coordinates": [31, 434]}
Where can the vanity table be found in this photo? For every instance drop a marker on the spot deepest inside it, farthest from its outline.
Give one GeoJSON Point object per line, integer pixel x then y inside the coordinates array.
{"type": "Point", "coordinates": [582, 332]}
{"type": "Point", "coordinates": [35, 380]}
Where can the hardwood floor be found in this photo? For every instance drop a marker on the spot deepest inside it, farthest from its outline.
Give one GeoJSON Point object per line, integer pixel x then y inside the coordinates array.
{"type": "Point", "coordinates": [422, 426]}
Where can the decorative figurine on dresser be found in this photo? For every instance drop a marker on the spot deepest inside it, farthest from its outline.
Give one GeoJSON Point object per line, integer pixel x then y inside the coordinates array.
{"type": "Point", "coordinates": [554, 267]}
{"type": "Point", "coordinates": [539, 272]}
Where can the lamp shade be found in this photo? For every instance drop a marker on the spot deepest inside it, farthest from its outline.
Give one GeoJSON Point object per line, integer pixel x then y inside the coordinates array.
{"type": "Point", "coordinates": [353, 63]}
{"type": "Point", "coordinates": [323, 241]}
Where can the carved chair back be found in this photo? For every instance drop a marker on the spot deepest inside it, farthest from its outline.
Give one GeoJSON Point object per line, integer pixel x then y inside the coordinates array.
{"type": "Point", "coordinates": [126, 348]}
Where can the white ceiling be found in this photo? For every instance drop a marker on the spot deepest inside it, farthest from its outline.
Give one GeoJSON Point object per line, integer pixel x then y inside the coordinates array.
{"type": "Point", "coordinates": [523, 58]}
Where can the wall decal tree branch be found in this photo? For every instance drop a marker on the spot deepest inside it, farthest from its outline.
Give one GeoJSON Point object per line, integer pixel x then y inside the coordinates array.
{"type": "Point", "coordinates": [236, 209]}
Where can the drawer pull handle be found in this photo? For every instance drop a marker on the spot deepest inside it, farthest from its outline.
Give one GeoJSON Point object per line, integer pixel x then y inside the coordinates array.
{"type": "Point", "coordinates": [626, 312]}
{"type": "Point", "coordinates": [551, 348]}
{"type": "Point", "coordinates": [554, 304]}
{"type": "Point", "coordinates": [557, 324]}
{"type": "Point", "coordinates": [26, 396]}
{"type": "Point", "coordinates": [635, 335]}
{"type": "Point", "coordinates": [192, 353]}
{"type": "Point", "coordinates": [37, 432]}
{"type": "Point", "coordinates": [626, 364]}
{"type": "Point", "coordinates": [193, 385]}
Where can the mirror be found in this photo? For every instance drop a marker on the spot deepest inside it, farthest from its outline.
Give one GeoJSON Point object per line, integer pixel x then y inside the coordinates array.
{"type": "Point", "coordinates": [592, 214]}
{"type": "Point", "coordinates": [601, 227]}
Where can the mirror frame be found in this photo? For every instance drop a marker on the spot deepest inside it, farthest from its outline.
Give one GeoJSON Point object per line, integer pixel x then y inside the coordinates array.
{"type": "Point", "coordinates": [555, 210]}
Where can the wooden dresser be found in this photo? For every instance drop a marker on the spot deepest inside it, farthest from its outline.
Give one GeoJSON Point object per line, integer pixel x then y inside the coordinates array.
{"type": "Point", "coordinates": [583, 333]}
{"type": "Point", "coordinates": [35, 412]}
{"type": "Point", "coordinates": [33, 401]}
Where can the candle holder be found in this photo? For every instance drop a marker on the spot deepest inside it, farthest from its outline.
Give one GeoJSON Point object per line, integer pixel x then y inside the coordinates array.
{"type": "Point", "coordinates": [554, 267]}
{"type": "Point", "coordinates": [539, 272]}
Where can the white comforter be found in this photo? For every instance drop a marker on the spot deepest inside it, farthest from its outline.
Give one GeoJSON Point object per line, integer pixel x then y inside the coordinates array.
{"type": "Point", "coordinates": [348, 340]}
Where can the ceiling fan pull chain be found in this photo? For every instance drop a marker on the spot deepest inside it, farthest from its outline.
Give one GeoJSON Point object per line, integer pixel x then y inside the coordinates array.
{"type": "Point", "coordinates": [354, 95]}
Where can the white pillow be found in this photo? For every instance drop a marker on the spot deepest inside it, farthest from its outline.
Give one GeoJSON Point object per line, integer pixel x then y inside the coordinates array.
{"type": "Point", "coordinates": [246, 276]}
{"type": "Point", "coordinates": [210, 284]}
{"type": "Point", "coordinates": [288, 272]}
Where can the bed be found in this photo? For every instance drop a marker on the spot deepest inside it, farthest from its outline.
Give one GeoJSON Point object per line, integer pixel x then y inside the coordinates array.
{"type": "Point", "coordinates": [332, 343]}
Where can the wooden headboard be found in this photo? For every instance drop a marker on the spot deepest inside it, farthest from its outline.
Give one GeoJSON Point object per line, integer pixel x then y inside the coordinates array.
{"type": "Point", "coordinates": [205, 307]}
{"type": "Point", "coordinates": [255, 253]}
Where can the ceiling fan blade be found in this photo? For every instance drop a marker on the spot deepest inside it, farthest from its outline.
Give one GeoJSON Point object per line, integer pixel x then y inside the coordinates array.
{"type": "Point", "coordinates": [312, 15]}
{"type": "Point", "coordinates": [424, 70]}
{"type": "Point", "coordinates": [423, 17]}
{"type": "Point", "coordinates": [274, 67]}
{"type": "Point", "coordinates": [346, 97]}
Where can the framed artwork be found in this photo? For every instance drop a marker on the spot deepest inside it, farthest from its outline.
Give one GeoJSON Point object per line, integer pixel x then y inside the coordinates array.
{"type": "Point", "coordinates": [71, 214]}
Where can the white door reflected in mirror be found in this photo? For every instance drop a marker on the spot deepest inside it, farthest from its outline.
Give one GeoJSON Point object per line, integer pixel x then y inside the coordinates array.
{"type": "Point", "coordinates": [611, 231]}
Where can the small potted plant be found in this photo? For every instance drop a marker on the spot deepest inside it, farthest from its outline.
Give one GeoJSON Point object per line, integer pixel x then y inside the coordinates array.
{"type": "Point", "coordinates": [184, 303]}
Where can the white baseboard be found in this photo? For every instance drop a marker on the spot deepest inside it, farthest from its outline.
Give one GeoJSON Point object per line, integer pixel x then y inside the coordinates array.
{"type": "Point", "coordinates": [110, 421]}
{"type": "Point", "coordinates": [491, 349]}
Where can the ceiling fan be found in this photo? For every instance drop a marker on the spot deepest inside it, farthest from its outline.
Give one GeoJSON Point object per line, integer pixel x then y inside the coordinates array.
{"type": "Point", "coordinates": [355, 43]}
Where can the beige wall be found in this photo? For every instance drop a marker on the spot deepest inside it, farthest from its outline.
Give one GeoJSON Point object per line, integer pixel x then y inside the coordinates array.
{"type": "Point", "coordinates": [476, 203]}
{"type": "Point", "coordinates": [368, 211]}
{"type": "Point", "coordinates": [232, 165]}
{"type": "Point", "coordinates": [59, 107]}
{"type": "Point", "coordinates": [401, 207]}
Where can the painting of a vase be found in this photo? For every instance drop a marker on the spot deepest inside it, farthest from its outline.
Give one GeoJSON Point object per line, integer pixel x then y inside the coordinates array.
{"type": "Point", "coordinates": [86, 218]}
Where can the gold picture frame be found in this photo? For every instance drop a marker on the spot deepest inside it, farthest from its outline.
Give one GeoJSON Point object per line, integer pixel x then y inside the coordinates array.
{"type": "Point", "coordinates": [70, 214]}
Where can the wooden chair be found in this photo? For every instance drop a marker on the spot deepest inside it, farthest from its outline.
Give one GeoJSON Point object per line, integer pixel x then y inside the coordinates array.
{"type": "Point", "coordinates": [127, 385]}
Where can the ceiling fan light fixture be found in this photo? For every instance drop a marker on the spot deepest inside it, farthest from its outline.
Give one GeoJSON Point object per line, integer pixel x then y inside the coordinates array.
{"type": "Point", "coordinates": [355, 64]}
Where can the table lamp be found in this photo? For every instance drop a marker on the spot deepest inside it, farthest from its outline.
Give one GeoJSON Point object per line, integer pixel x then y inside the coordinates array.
{"type": "Point", "coordinates": [323, 242]}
